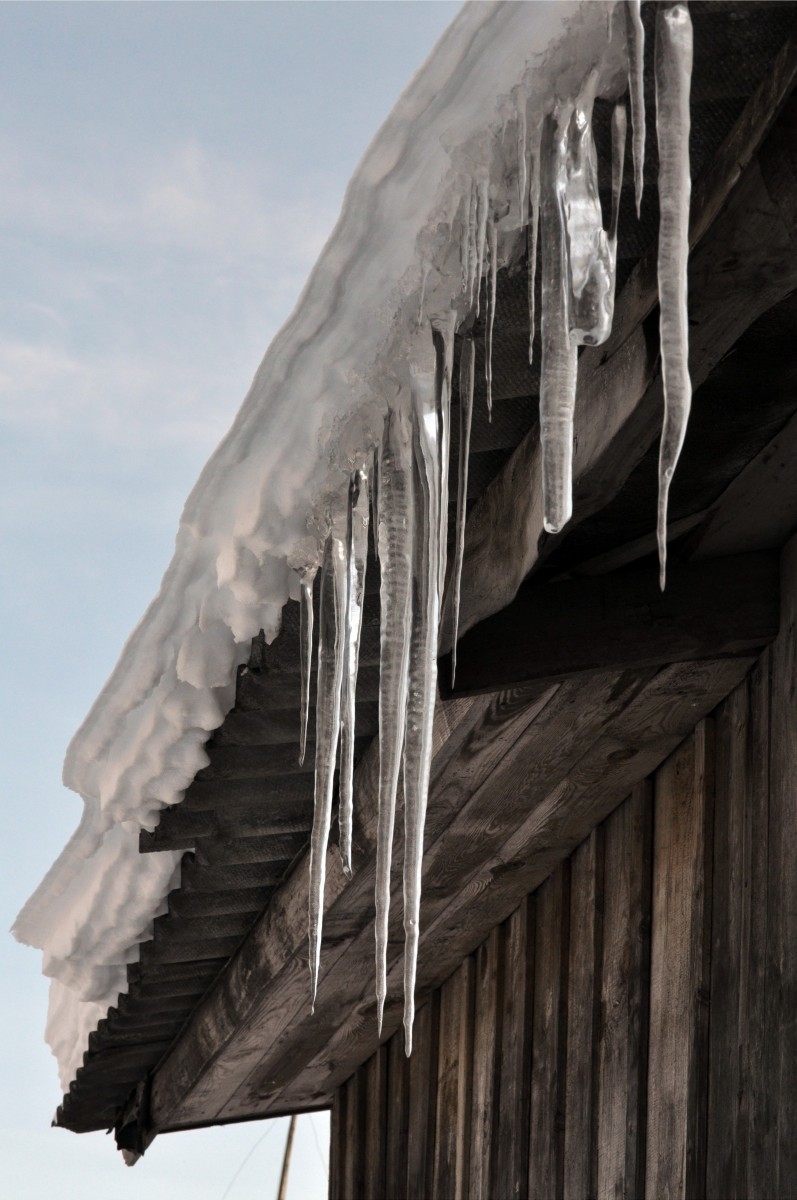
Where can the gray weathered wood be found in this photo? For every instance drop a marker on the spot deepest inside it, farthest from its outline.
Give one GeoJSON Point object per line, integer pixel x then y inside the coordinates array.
{"type": "Point", "coordinates": [546, 1143]}
{"type": "Point", "coordinates": [514, 1100]}
{"type": "Point", "coordinates": [372, 1144]}
{"type": "Point", "coordinates": [488, 982]}
{"type": "Point", "coordinates": [583, 1017]}
{"type": "Point", "coordinates": [423, 1100]}
{"type": "Point", "coordinates": [625, 978]}
{"type": "Point", "coordinates": [679, 971]}
{"type": "Point", "coordinates": [398, 1078]}
{"type": "Point", "coordinates": [452, 1119]}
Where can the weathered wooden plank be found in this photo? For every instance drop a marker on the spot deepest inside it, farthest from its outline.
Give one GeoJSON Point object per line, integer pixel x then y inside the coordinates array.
{"type": "Point", "coordinates": [514, 1100]}
{"type": "Point", "coordinates": [180, 828]}
{"type": "Point", "coordinates": [782, 907]}
{"type": "Point", "coordinates": [351, 1173]}
{"type": "Point", "coordinates": [625, 983]}
{"type": "Point", "coordinates": [726, 1151]}
{"type": "Point", "coordinates": [583, 1013]}
{"type": "Point", "coordinates": [488, 972]}
{"type": "Point", "coordinates": [622, 622]}
{"type": "Point", "coordinates": [375, 1131]}
{"type": "Point", "coordinates": [423, 1100]}
{"type": "Point", "coordinates": [675, 1155]}
{"type": "Point", "coordinates": [452, 1120]}
{"type": "Point", "coordinates": [398, 1076]}
{"type": "Point", "coordinates": [619, 392]}
{"type": "Point", "coordinates": [549, 1044]}
{"type": "Point", "coordinates": [337, 1145]}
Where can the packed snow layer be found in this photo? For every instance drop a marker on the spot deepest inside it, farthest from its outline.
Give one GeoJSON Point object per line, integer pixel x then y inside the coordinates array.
{"type": "Point", "coordinates": [258, 517]}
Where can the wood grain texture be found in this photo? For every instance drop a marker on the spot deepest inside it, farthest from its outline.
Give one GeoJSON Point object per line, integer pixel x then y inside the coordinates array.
{"type": "Point", "coordinates": [583, 1017]}
{"type": "Point", "coordinates": [398, 1078]}
{"type": "Point", "coordinates": [488, 988]}
{"type": "Point", "coordinates": [625, 997]}
{"type": "Point", "coordinates": [515, 1023]}
{"type": "Point", "coordinates": [454, 1080]}
{"type": "Point", "coordinates": [549, 1044]}
{"type": "Point", "coordinates": [679, 971]}
{"type": "Point", "coordinates": [423, 1100]}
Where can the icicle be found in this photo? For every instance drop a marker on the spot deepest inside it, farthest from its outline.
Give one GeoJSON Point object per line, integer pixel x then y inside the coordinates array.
{"type": "Point", "coordinates": [619, 135]}
{"type": "Point", "coordinates": [521, 156]}
{"type": "Point", "coordinates": [443, 340]}
{"type": "Point", "coordinates": [395, 536]}
{"type": "Point", "coordinates": [468, 251]}
{"type": "Point", "coordinates": [492, 240]}
{"type": "Point", "coordinates": [356, 557]}
{"type": "Point", "coordinates": [466, 385]}
{"type": "Point", "coordinates": [534, 215]}
{"type": "Point", "coordinates": [673, 71]}
{"type": "Point", "coordinates": [558, 381]}
{"type": "Point", "coordinates": [482, 192]}
{"type": "Point", "coordinates": [635, 33]}
{"type": "Point", "coordinates": [587, 245]}
{"type": "Point", "coordinates": [330, 676]}
{"type": "Point", "coordinates": [375, 501]}
{"type": "Point", "coordinates": [305, 653]}
{"type": "Point", "coordinates": [430, 503]}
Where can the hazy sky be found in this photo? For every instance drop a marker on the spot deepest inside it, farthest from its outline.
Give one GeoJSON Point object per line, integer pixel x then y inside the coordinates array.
{"type": "Point", "coordinates": [168, 174]}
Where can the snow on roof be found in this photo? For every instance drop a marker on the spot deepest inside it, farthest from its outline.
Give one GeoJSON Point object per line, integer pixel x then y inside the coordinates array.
{"type": "Point", "coordinates": [258, 513]}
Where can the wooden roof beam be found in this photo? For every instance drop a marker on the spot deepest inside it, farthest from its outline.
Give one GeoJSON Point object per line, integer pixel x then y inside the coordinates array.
{"type": "Point", "coordinates": [720, 608]}
{"type": "Point", "coordinates": [742, 233]}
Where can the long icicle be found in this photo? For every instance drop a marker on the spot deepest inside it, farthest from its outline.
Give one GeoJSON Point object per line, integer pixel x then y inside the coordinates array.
{"type": "Point", "coordinates": [635, 34]}
{"type": "Point", "coordinates": [483, 197]}
{"type": "Point", "coordinates": [558, 377]}
{"type": "Point", "coordinates": [467, 379]}
{"type": "Point", "coordinates": [534, 217]}
{"type": "Point", "coordinates": [492, 284]}
{"type": "Point", "coordinates": [673, 74]}
{"type": "Point", "coordinates": [395, 537]}
{"type": "Point", "coordinates": [330, 677]}
{"type": "Point", "coordinates": [619, 137]}
{"type": "Point", "coordinates": [356, 557]}
{"type": "Point", "coordinates": [430, 499]}
{"type": "Point", "coordinates": [443, 341]}
{"type": "Point", "coordinates": [305, 653]}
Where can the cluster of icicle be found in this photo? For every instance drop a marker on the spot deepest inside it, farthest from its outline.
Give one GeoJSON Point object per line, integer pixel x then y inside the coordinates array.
{"type": "Point", "coordinates": [405, 484]}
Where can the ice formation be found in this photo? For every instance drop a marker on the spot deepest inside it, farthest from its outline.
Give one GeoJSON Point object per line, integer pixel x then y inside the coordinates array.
{"type": "Point", "coordinates": [351, 408]}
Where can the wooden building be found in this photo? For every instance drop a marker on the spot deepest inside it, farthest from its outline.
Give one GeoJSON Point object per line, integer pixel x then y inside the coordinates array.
{"type": "Point", "coordinates": [608, 971]}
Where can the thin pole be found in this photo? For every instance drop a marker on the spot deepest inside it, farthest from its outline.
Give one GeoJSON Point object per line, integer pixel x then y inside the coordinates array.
{"type": "Point", "coordinates": [286, 1162]}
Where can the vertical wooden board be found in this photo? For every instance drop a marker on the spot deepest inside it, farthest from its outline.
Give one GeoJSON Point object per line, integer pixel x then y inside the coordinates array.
{"type": "Point", "coordinates": [337, 1144]}
{"type": "Point", "coordinates": [625, 998]}
{"type": "Point", "coordinates": [675, 1165]}
{"type": "Point", "coordinates": [725, 1149]}
{"type": "Point", "coordinates": [782, 907]}
{"type": "Point", "coordinates": [759, 1045]}
{"type": "Point", "coordinates": [375, 1124]}
{"type": "Point", "coordinates": [488, 983]}
{"type": "Point", "coordinates": [583, 1002]}
{"type": "Point", "coordinates": [512, 1166]}
{"type": "Point", "coordinates": [422, 1099]}
{"type": "Point", "coordinates": [452, 1123]}
{"type": "Point", "coordinates": [398, 1074]}
{"type": "Point", "coordinates": [351, 1174]}
{"type": "Point", "coordinates": [549, 1036]}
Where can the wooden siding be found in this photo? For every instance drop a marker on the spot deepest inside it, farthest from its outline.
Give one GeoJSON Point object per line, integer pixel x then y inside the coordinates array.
{"type": "Point", "coordinates": [629, 1030]}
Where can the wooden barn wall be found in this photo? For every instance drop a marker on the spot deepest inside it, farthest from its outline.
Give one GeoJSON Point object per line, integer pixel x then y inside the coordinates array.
{"type": "Point", "coordinates": [631, 1030]}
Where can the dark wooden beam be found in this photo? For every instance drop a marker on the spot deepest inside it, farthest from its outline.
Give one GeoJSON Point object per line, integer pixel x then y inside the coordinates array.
{"type": "Point", "coordinates": [716, 608]}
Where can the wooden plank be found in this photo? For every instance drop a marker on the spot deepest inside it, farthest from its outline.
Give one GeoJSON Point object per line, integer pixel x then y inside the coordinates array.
{"type": "Point", "coordinates": [423, 1100]}
{"type": "Point", "coordinates": [726, 1152]}
{"type": "Point", "coordinates": [623, 622]}
{"type": "Point", "coordinates": [514, 1100]}
{"type": "Point", "coordinates": [351, 1133]}
{"type": "Point", "coordinates": [619, 390]}
{"type": "Point", "coordinates": [488, 971]}
{"type": "Point", "coordinates": [583, 1016]}
{"type": "Point", "coordinates": [337, 1145]}
{"type": "Point", "coordinates": [375, 1125]}
{"type": "Point", "coordinates": [782, 907]}
{"type": "Point", "coordinates": [675, 1165]}
{"type": "Point", "coordinates": [398, 1076]}
{"type": "Point", "coordinates": [625, 995]}
{"type": "Point", "coordinates": [549, 1039]}
{"type": "Point", "coordinates": [452, 1122]}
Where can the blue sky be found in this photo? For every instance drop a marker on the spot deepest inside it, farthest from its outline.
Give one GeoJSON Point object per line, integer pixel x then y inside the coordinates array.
{"type": "Point", "coordinates": [168, 174]}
